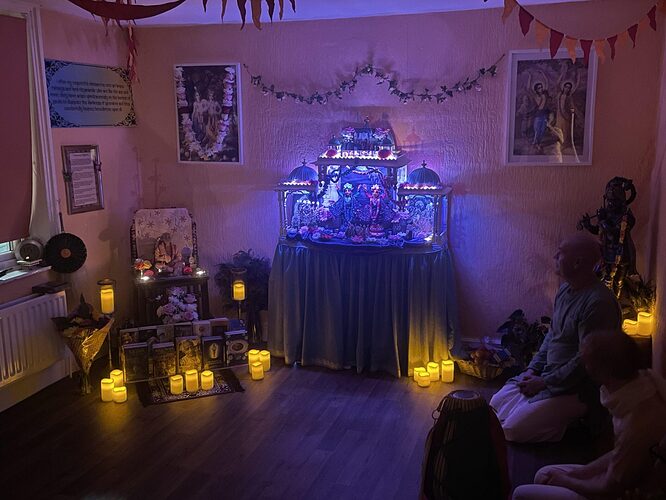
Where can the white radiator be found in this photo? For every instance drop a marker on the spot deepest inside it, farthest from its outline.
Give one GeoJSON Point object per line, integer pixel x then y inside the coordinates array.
{"type": "Point", "coordinates": [29, 341]}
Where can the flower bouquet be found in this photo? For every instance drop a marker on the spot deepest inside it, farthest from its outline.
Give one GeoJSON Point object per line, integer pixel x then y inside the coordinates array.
{"type": "Point", "coordinates": [178, 305]}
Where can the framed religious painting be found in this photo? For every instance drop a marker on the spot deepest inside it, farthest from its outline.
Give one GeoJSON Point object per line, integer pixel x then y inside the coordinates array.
{"type": "Point", "coordinates": [208, 106]}
{"type": "Point", "coordinates": [82, 172]}
{"type": "Point", "coordinates": [550, 104]}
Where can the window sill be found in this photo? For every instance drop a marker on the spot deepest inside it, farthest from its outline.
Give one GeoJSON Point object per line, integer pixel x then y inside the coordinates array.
{"type": "Point", "coordinates": [19, 274]}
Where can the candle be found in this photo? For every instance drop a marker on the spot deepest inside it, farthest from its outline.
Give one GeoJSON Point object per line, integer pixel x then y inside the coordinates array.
{"type": "Point", "coordinates": [239, 290]}
{"type": "Point", "coordinates": [447, 370]}
{"type": "Point", "coordinates": [106, 389]}
{"type": "Point", "coordinates": [120, 394]}
{"type": "Point", "coordinates": [206, 380]}
{"type": "Point", "coordinates": [118, 378]}
{"type": "Point", "coordinates": [257, 370]}
{"type": "Point", "coordinates": [191, 381]}
{"type": "Point", "coordinates": [433, 371]}
{"type": "Point", "coordinates": [252, 357]}
{"type": "Point", "coordinates": [417, 370]}
{"type": "Point", "coordinates": [106, 299]}
{"type": "Point", "coordinates": [630, 326]}
{"type": "Point", "coordinates": [176, 384]}
{"type": "Point", "coordinates": [644, 328]}
{"type": "Point", "coordinates": [265, 358]}
{"type": "Point", "coordinates": [423, 378]}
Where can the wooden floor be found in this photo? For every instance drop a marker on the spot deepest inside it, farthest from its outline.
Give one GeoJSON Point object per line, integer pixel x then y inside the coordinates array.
{"type": "Point", "coordinates": [301, 433]}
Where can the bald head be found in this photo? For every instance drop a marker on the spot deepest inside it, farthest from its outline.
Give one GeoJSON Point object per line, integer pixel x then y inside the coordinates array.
{"type": "Point", "coordinates": [577, 256]}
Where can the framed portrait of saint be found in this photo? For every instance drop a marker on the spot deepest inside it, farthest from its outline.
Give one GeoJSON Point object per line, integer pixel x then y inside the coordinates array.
{"type": "Point", "coordinates": [208, 107]}
{"type": "Point", "coordinates": [550, 108]}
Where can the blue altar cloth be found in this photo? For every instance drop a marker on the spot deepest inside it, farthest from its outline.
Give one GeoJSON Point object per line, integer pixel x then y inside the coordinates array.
{"type": "Point", "coordinates": [376, 308]}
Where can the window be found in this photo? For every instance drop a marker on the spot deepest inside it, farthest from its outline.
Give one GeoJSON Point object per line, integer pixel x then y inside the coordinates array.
{"type": "Point", "coordinates": [7, 254]}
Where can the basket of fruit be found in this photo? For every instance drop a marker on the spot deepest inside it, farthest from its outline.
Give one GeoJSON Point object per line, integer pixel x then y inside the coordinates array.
{"type": "Point", "coordinates": [485, 363]}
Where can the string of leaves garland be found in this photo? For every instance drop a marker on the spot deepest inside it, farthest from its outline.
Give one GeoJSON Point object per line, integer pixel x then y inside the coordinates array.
{"type": "Point", "coordinates": [394, 87]}
{"type": "Point", "coordinates": [557, 38]}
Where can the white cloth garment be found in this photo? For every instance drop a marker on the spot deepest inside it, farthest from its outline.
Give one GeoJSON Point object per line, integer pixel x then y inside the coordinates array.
{"type": "Point", "coordinates": [540, 491]}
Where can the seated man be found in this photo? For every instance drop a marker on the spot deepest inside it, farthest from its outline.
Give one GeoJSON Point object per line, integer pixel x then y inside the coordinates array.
{"type": "Point", "coordinates": [540, 403]}
{"type": "Point", "coordinates": [637, 402]}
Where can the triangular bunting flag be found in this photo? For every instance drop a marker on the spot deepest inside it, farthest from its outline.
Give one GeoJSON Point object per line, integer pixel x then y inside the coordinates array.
{"type": "Point", "coordinates": [623, 39]}
{"type": "Point", "coordinates": [632, 33]}
{"type": "Point", "coordinates": [509, 5]}
{"type": "Point", "coordinates": [570, 44]}
{"type": "Point", "coordinates": [644, 23]}
{"type": "Point", "coordinates": [599, 49]}
{"type": "Point", "coordinates": [663, 5]}
{"type": "Point", "coordinates": [611, 42]}
{"type": "Point", "coordinates": [586, 45]}
{"type": "Point", "coordinates": [540, 33]}
{"type": "Point", "coordinates": [525, 19]}
{"type": "Point", "coordinates": [652, 16]}
{"type": "Point", "coordinates": [555, 42]}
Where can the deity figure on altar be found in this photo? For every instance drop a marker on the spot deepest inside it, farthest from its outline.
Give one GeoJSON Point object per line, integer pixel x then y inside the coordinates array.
{"type": "Point", "coordinates": [614, 223]}
{"type": "Point", "coordinates": [167, 256]}
{"type": "Point", "coordinates": [380, 212]}
{"type": "Point", "coordinates": [343, 209]}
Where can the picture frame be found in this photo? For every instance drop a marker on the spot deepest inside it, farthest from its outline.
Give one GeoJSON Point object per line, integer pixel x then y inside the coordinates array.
{"type": "Point", "coordinates": [550, 108]}
{"type": "Point", "coordinates": [82, 173]}
{"type": "Point", "coordinates": [208, 110]}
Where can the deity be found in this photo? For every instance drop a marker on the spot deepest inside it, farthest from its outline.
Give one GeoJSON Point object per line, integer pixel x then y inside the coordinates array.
{"type": "Point", "coordinates": [614, 223]}
{"type": "Point", "coordinates": [344, 208]}
{"type": "Point", "coordinates": [167, 256]}
{"type": "Point", "coordinates": [381, 212]}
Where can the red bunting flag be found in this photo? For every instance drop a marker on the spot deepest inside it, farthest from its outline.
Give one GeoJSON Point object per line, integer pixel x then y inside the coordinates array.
{"type": "Point", "coordinates": [555, 42]}
{"type": "Point", "coordinates": [525, 19]}
{"type": "Point", "coordinates": [652, 15]}
{"type": "Point", "coordinates": [611, 42]}
{"type": "Point", "coordinates": [509, 5]}
{"type": "Point", "coordinates": [632, 33]}
{"type": "Point", "coordinates": [586, 45]}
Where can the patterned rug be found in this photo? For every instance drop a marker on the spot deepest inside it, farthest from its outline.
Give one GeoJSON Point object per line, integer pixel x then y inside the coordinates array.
{"type": "Point", "coordinates": [155, 392]}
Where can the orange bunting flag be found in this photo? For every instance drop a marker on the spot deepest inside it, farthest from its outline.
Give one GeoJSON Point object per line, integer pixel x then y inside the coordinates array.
{"type": "Point", "coordinates": [623, 39]}
{"type": "Point", "coordinates": [652, 16]}
{"type": "Point", "coordinates": [525, 19]}
{"type": "Point", "coordinates": [570, 44]}
{"type": "Point", "coordinates": [632, 33]}
{"type": "Point", "coordinates": [509, 5]}
{"type": "Point", "coordinates": [663, 5]}
{"type": "Point", "coordinates": [599, 49]}
{"type": "Point", "coordinates": [611, 43]}
{"type": "Point", "coordinates": [555, 42]}
{"type": "Point", "coordinates": [586, 45]}
{"type": "Point", "coordinates": [541, 31]}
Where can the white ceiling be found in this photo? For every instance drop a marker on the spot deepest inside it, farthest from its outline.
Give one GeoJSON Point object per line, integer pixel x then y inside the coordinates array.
{"type": "Point", "coordinates": [191, 12]}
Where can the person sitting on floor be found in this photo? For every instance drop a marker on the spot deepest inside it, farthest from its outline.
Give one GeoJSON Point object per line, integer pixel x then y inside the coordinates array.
{"type": "Point", "coordinates": [637, 402]}
{"type": "Point", "coordinates": [553, 392]}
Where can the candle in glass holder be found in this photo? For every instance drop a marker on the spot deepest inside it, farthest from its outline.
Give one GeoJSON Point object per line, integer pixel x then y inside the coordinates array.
{"type": "Point", "coordinates": [433, 370]}
{"type": "Point", "coordinates": [118, 378]}
{"type": "Point", "coordinates": [176, 384]}
{"type": "Point", "coordinates": [106, 389]}
{"type": "Point", "coordinates": [252, 357]}
{"type": "Point", "coordinates": [191, 381]}
{"type": "Point", "coordinates": [630, 326]}
{"type": "Point", "coordinates": [257, 370]}
{"type": "Point", "coordinates": [120, 394]}
{"type": "Point", "coordinates": [644, 327]}
{"type": "Point", "coordinates": [423, 378]}
{"type": "Point", "coordinates": [265, 358]}
{"type": "Point", "coordinates": [419, 369]}
{"type": "Point", "coordinates": [206, 380]}
{"type": "Point", "coordinates": [447, 370]}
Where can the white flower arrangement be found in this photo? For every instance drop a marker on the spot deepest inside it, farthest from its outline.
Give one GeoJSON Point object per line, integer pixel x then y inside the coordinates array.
{"type": "Point", "coordinates": [180, 306]}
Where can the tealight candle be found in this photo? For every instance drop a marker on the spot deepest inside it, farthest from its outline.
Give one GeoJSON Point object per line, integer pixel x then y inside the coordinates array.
{"type": "Point", "coordinates": [176, 384]}
{"type": "Point", "coordinates": [433, 370]}
{"type": "Point", "coordinates": [118, 378]}
{"type": "Point", "coordinates": [257, 370]}
{"type": "Point", "coordinates": [644, 328]}
{"type": "Point", "coordinates": [106, 389]}
{"type": "Point", "coordinates": [206, 380]}
{"type": "Point", "coordinates": [630, 326]}
{"type": "Point", "coordinates": [423, 378]}
{"type": "Point", "coordinates": [191, 381]}
{"type": "Point", "coordinates": [447, 370]}
{"type": "Point", "coordinates": [419, 369]}
{"type": "Point", "coordinates": [120, 394]}
{"type": "Point", "coordinates": [265, 358]}
{"type": "Point", "coordinates": [252, 357]}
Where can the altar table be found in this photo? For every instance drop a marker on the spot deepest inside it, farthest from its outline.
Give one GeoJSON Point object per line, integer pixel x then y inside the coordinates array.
{"type": "Point", "coordinates": [376, 308]}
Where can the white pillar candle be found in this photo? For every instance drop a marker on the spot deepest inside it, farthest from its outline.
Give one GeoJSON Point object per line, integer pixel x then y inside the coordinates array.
{"type": "Point", "coordinates": [106, 389]}
{"type": "Point", "coordinates": [265, 358]}
{"type": "Point", "coordinates": [252, 357]}
{"type": "Point", "coordinates": [423, 378]}
{"type": "Point", "coordinates": [106, 300]}
{"type": "Point", "coordinates": [120, 394]}
{"type": "Point", "coordinates": [206, 380]}
{"type": "Point", "coordinates": [191, 381]}
{"type": "Point", "coordinates": [257, 370]}
{"type": "Point", "coordinates": [447, 370]}
{"type": "Point", "coordinates": [419, 369]}
{"type": "Point", "coordinates": [176, 384]}
{"type": "Point", "coordinates": [239, 290]}
{"type": "Point", "coordinates": [630, 326]}
{"type": "Point", "coordinates": [433, 371]}
{"type": "Point", "coordinates": [118, 378]}
{"type": "Point", "coordinates": [644, 324]}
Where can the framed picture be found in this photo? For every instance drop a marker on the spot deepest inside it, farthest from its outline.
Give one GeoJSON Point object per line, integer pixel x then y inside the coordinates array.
{"type": "Point", "coordinates": [550, 105]}
{"type": "Point", "coordinates": [209, 113]}
{"type": "Point", "coordinates": [82, 171]}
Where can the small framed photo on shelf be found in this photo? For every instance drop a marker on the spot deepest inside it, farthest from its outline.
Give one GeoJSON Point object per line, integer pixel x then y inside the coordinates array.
{"type": "Point", "coordinates": [550, 108]}
{"type": "Point", "coordinates": [82, 172]}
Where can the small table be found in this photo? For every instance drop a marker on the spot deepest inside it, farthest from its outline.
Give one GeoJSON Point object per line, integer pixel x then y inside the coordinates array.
{"type": "Point", "coordinates": [147, 291]}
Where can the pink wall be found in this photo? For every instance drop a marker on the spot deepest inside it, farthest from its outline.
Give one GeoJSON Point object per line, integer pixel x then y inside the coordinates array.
{"type": "Point", "coordinates": [505, 221]}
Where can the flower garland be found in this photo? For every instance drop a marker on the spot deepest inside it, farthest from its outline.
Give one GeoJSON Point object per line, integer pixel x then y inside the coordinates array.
{"type": "Point", "coordinates": [180, 306]}
{"type": "Point", "coordinates": [394, 87]}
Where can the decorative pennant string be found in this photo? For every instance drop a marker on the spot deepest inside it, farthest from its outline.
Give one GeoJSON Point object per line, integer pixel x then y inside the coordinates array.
{"type": "Point", "coordinates": [383, 77]}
